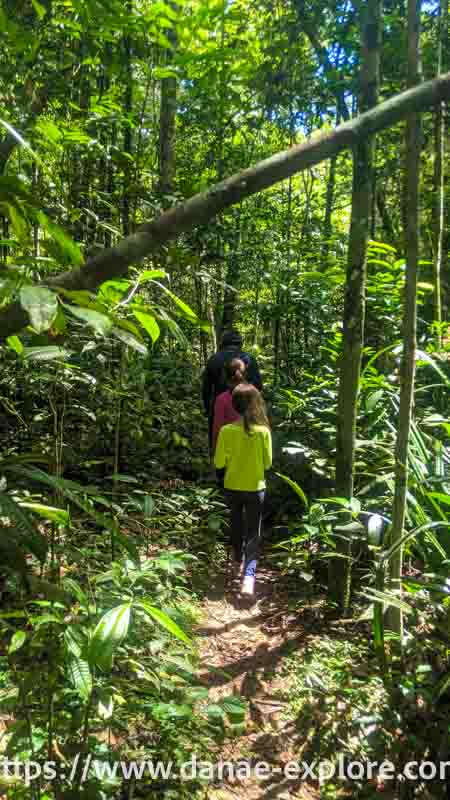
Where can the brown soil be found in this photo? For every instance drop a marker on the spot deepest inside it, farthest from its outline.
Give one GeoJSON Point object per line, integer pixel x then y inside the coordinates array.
{"type": "Point", "coordinates": [242, 647]}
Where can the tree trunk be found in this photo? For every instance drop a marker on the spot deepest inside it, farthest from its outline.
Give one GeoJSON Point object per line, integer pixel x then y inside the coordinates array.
{"type": "Point", "coordinates": [354, 304]}
{"type": "Point", "coordinates": [128, 133]}
{"type": "Point", "coordinates": [167, 121]}
{"type": "Point", "coordinates": [327, 226]}
{"type": "Point", "coordinates": [114, 262]}
{"type": "Point", "coordinates": [413, 145]}
{"type": "Point", "coordinates": [232, 282]}
{"type": "Point", "coordinates": [386, 221]}
{"type": "Point", "coordinates": [439, 162]}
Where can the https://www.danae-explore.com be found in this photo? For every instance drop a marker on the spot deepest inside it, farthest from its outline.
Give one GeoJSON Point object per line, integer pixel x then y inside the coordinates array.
{"type": "Point", "coordinates": [85, 767]}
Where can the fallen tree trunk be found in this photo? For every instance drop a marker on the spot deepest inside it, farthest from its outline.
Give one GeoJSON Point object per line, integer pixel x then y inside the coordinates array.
{"type": "Point", "coordinates": [113, 262]}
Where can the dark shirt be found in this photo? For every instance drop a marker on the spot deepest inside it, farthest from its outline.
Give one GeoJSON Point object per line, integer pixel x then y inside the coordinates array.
{"type": "Point", "coordinates": [214, 379]}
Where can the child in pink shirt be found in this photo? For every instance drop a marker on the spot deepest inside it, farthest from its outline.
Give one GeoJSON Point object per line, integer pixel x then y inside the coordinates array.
{"type": "Point", "coordinates": [224, 412]}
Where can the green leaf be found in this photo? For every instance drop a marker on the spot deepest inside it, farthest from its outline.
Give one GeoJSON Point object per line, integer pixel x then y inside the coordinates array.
{"type": "Point", "coordinates": [151, 275]}
{"type": "Point", "coordinates": [159, 73]}
{"type": "Point", "coordinates": [186, 310]}
{"type": "Point", "coordinates": [422, 356]}
{"type": "Point", "coordinates": [443, 498]}
{"type": "Point", "coordinates": [388, 598]}
{"type": "Point", "coordinates": [100, 322]}
{"type": "Point", "coordinates": [355, 505]}
{"type": "Point", "coordinates": [131, 341]}
{"type": "Point", "coordinates": [105, 705]}
{"type": "Point", "coordinates": [41, 305]}
{"type": "Point", "coordinates": [58, 515]}
{"type": "Point", "coordinates": [164, 620]}
{"type": "Point", "coordinates": [21, 141]}
{"type": "Point", "coordinates": [49, 130]}
{"type": "Point", "coordinates": [128, 545]}
{"type": "Point", "coordinates": [171, 711]}
{"type": "Point", "coordinates": [27, 535]}
{"type": "Point", "coordinates": [373, 399]}
{"type": "Point", "coordinates": [108, 635]}
{"type": "Point", "coordinates": [17, 641]}
{"type": "Point", "coordinates": [66, 245]}
{"type": "Point", "coordinates": [49, 353]}
{"type": "Point", "coordinates": [442, 686]}
{"type": "Point", "coordinates": [148, 323]}
{"type": "Point", "coordinates": [80, 676]}
{"type": "Point", "coordinates": [373, 245]}
{"type": "Point", "coordinates": [406, 537]}
{"type": "Point", "coordinates": [74, 640]}
{"type": "Point", "coordinates": [234, 708]}
{"type": "Point", "coordinates": [428, 287]}
{"type": "Point", "coordinates": [15, 344]}
{"type": "Point", "coordinates": [297, 489]}
{"type": "Point", "coordinates": [39, 9]}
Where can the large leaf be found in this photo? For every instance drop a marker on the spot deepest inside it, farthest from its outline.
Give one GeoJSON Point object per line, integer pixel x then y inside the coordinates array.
{"type": "Point", "coordinates": [108, 635]}
{"type": "Point", "coordinates": [297, 489]}
{"type": "Point", "coordinates": [164, 620]}
{"type": "Point", "coordinates": [58, 515]}
{"type": "Point", "coordinates": [80, 676]}
{"type": "Point", "coordinates": [50, 353]}
{"type": "Point", "coordinates": [411, 535]}
{"type": "Point", "coordinates": [17, 641]}
{"type": "Point", "coordinates": [74, 491]}
{"type": "Point", "coordinates": [65, 245]}
{"type": "Point", "coordinates": [100, 322]}
{"type": "Point", "coordinates": [440, 496]}
{"type": "Point", "coordinates": [422, 356]}
{"type": "Point", "coordinates": [131, 341]}
{"type": "Point", "coordinates": [151, 275]}
{"type": "Point", "coordinates": [41, 305]}
{"type": "Point", "coordinates": [186, 310]}
{"type": "Point", "coordinates": [15, 344]}
{"type": "Point", "coordinates": [26, 535]}
{"type": "Point", "coordinates": [21, 141]}
{"type": "Point", "coordinates": [148, 323]}
{"type": "Point", "coordinates": [388, 598]}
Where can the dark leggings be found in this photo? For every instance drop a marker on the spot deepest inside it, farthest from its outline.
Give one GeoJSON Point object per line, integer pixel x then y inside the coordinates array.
{"type": "Point", "coordinates": [245, 526]}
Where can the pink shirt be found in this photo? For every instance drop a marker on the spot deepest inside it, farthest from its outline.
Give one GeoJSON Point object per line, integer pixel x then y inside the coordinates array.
{"type": "Point", "coordinates": [224, 413]}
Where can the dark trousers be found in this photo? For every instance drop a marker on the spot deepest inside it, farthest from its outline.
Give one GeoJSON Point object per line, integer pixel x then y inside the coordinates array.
{"type": "Point", "coordinates": [246, 510]}
{"type": "Point", "coordinates": [210, 430]}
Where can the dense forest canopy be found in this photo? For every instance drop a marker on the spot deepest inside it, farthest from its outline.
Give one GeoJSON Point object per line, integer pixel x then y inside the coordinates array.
{"type": "Point", "coordinates": [170, 171]}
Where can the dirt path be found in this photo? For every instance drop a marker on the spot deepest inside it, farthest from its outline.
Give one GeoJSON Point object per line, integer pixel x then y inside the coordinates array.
{"type": "Point", "coordinates": [244, 646]}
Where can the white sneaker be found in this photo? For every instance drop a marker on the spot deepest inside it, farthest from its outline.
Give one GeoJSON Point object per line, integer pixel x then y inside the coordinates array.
{"type": "Point", "coordinates": [248, 585]}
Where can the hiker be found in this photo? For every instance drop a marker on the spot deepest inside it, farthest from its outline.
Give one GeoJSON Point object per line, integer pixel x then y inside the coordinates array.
{"type": "Point", "coordinates": [244, 449]}
{"type": "Point", "coordinates": [224, 413]}
{"type": "Point", "coordinates": [213, 377]}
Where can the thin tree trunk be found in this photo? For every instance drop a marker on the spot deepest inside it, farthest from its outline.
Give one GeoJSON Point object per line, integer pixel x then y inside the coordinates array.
{"type": "Point", "coordinates": [327, 226]}
{"type": "Point", "coordinates": [413, 146]}
{"type": "Point", "coordinates": [220, 171]}
{"type": "Point", "coordinates": [114, 262]}
{"type": "Point", "coordinates": [439, 179]}
{"type": "Point", "coordinates": [354, 304]}
{"type": "Point", "coordinates": [128, 133]}
{"type": "Point", "coordinates": [167, 121]}
{"type": "Point", "coordinates": [230, 294]}
{"type": "Point", "coordinates": [386, 221]}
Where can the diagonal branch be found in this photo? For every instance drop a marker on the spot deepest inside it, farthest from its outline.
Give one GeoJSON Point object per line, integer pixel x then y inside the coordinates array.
{"type": "Point", "coordinates": [201, 208]}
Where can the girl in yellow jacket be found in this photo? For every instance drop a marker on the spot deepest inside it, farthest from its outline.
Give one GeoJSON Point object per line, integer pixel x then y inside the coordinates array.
{"type": "Point", "coordinates": [244, 449]}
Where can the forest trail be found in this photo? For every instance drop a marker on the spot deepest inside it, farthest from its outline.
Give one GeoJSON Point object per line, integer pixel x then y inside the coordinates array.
{"type": "Point", "coordinates": [241, 650]}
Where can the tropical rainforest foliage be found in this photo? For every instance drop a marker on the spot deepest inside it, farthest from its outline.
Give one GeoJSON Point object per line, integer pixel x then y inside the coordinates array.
{"type": "Point", "coordinates": [169, 170]}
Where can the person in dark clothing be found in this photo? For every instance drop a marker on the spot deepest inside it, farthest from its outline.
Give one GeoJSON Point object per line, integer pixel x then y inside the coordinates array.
{"type": "Point", "coordinates": [214, 382]}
